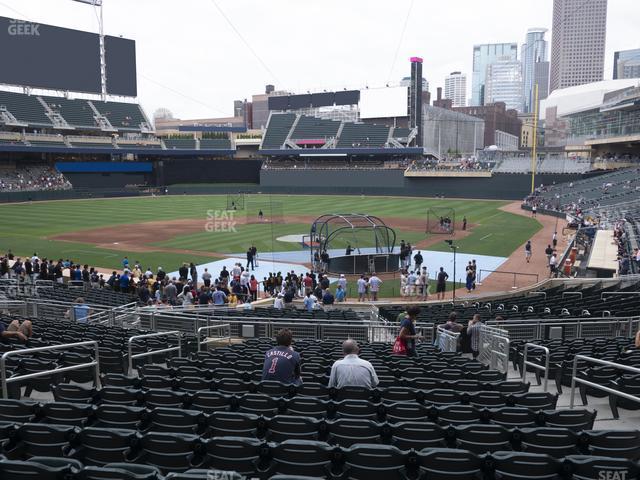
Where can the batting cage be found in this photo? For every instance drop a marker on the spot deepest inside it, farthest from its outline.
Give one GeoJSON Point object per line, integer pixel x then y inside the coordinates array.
{"type": "Point", "coordinates": [235, 201]}
{"type": "Point", "coordinates": [441, 220]}
{"type": "Point", "coordinates": [264, 211]}
{"type": "Point", "coordinates": [352, 243]}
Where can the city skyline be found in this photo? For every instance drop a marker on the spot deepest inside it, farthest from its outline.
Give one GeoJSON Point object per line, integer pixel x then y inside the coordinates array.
{"type": "Point", "coordinates": [199, 73]}
{"type": "Point", "coordinates": [578, 39]}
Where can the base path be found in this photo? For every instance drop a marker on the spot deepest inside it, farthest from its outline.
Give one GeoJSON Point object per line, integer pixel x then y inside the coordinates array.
{"type": "Point", "coordinates": [498, 282]}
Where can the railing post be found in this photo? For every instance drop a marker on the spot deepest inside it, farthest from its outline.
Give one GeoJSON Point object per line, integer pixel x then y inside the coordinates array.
{"type": "Point", "coordinates": [3, 377]}
{"type": "Point", "coordinates": [574, 372]}
{"type": "Point", "coordinates": [97, 367]}
{"type": "Point", "coordinates": [129, 357]}
{"type": "Point", "coordinates": [524, 362]}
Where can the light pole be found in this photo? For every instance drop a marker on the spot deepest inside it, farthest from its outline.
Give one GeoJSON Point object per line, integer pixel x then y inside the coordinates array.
{"type": "Point", "coordinates": [454, 248]}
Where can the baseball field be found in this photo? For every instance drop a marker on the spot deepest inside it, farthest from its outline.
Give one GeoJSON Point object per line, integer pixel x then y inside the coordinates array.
{"type": "Point", "coordinates": [168, 230]}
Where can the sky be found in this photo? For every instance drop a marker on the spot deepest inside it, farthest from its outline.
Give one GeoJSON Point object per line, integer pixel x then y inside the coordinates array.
{"type": "Point", "coordinates": [195, 57]}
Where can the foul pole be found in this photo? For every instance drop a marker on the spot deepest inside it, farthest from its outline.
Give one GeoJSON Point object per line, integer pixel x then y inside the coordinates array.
{"type": "Point", "coordinates": [534, 138]}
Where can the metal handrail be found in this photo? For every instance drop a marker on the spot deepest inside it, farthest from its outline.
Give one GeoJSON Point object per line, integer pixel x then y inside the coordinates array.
{"type": "Point", "coordinates": [210, 340]}
{"type": "Point", "coordinates": [449, 339]}
{"type": "Point", "coordinates": [602, 295]}
{"type": "Point", "coordinates": [606, 363]}
{"type": "Point", "coordinates": [3, 363]}
{"type": "Point", "coordinates": [529, 294]}
{"type": "Point", "coordinates": [565, 294]}
{"type": "Point", "coordinates": [131, 357]}
{"type": "Point", "coordinates": [534, 346]}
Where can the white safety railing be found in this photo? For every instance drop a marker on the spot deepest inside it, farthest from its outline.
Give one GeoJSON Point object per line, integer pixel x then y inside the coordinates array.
{"type": "Point", "coordinates": [131, 357]}
{"type": "Point", "coordinates": [225, 329]}
{"type": "Point", "coordinates": [526, 363]}
{"type": "Point", "coordinates": [493, 348]}
{"type": "Point", "coordinates": [446, 340]}
{"type": "Point", "coordinates": [575, 379]}
{"type": "Point", "coordinates": [3, 364]}
{"type": "Point", "coordinates": [528, 329]}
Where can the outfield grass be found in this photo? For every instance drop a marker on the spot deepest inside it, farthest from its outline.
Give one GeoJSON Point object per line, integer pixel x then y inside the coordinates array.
{"type": "Point", "coordinates": [25, 226]}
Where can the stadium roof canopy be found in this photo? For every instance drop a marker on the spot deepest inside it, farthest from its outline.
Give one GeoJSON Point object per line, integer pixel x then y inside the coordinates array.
{"type": "Point", "coordinates": [583, 97]}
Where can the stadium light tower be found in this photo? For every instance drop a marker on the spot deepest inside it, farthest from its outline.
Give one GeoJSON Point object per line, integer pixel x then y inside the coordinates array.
{"type": "Point", "coordinates": [103, 56]}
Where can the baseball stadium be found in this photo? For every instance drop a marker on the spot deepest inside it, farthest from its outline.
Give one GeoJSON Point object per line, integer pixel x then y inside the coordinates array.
{"type": "Point", "coordinates": [372, 282]}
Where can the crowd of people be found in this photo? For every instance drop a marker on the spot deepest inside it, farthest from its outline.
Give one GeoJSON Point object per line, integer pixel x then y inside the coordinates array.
{"type": "Point", "coordinates": [450, 164]}
{"type": "Point", "coordinates": [35, 178]}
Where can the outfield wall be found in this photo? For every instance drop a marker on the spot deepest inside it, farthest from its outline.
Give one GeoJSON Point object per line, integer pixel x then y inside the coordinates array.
{"type": "Point", "coordinates": [500, 186]}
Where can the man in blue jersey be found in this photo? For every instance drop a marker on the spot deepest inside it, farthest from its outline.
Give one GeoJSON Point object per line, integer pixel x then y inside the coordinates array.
{"type": "Point", "coordinates": [282, 363]}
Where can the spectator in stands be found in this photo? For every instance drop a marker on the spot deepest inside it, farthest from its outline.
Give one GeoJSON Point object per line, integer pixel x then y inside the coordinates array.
{"type": "Point", "coordinates": [407, 333]}
{"type": "Point", "coordinates": [328, 299]}
{"type": "Point", "coordinates": [125, 281]}
{"type": "Point", "coordinates": [219, 297]}
{"type": "Point", "coordinates": [352, 371]}
{"type": "Point", "coordinates": [171, 292]}
{"type": "Point", "coordinates": [341, 294]}
{"type": "Point", "coordinates": [278, 303]}
{"type": "Point", "coordinates": [362, 288]}
{"type": "Point", "coordinates": [186, 297]}
{"type": "Point", "coordinates": [80, 311]}
{"type": "Point", "coordinates": [21, 331]}
{"type": "Point", "coordinates": [638, 339]}
{"type": "Point", "coordinates": [553, 264]}
{"type": "Point", "coordinates": [374, 284]}
{"type": "Point", "coordinates": [452, 323]}
{"type": "Point", "coordinates": [473, 332]}
{"type": "Point", "coordinates": [282, 363]}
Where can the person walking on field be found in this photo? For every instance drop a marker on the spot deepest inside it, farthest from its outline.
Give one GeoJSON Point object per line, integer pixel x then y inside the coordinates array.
{"type": "Point", "coordinates": [527, 251]}
{"type": "Point", "coordinates": [418, 259]}
{"type": "Point", "coordinates": [548, 252]}
{"type": "Point", "coordinates": [441, 285]}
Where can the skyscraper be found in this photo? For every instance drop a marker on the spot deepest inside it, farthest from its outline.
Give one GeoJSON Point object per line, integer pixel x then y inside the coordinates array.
{"type": "Point", "coordinates": [455, 88]}
{"type": "Point", "coordinates": [484, 55]}
{"type": "Point", "coordinates": [503, 83]}
{"type": "Point", "coordinates": [626, 64]}
{"type": "Point", "coordinates": [535, 67]}
{"type": "Point", "coordinates": [577, 42]}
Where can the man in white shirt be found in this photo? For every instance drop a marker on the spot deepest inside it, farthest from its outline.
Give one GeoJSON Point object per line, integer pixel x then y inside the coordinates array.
{"type": "Point", "coordinates": [553, 264]}
{"type": "Point", "coordinates": [411, 284]}
{"type": "Point", "coordinates": [362, 288]}
{"type": "Point", "coordinates": [352, 371]}
{"type": "Point", "coordinates": [279, 302]}
{"type": "Point", "coordinates": [374, 283]}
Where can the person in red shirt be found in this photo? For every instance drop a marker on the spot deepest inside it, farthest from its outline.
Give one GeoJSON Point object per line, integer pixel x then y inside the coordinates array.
{"type": "Point", "coordinates": [253, 288]}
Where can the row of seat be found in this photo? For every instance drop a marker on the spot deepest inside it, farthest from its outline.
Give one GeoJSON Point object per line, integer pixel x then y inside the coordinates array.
{"type": "Point", "coordinates": [51, 468]}
{"type": "Point", "coordinates": [431, 428]}
{"type": "Point", "coordinates": [172, 452]}
{"type": "Point", "coordinates": [207, 400]}
{"type": "Point", "coordinates": [412, 390]}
